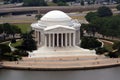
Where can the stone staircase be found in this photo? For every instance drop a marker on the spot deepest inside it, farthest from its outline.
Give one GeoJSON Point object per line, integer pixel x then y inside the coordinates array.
{"type": "Point", "coordinates": [67, 62]}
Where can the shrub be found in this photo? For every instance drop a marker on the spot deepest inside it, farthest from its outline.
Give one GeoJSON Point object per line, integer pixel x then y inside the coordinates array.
{"type": "Point", "coordinates": [118, 7]}
{"type": "Point", "coordinates": [13, 40]}
{"type": "Point", "coordinates": [4, 49]}
{"type": "Point", "coordinates": [62, 4]}
{"type": "Point", "coordinates": [113, 54]}
{"type": "Point", "coordinates": [20, 53]}
{"type": "Point", "coordinates": [11, 57]}
{"type": "Point", "coordinates": [90, 43]}
{"type": "Point", "coordinates": [101, 50]}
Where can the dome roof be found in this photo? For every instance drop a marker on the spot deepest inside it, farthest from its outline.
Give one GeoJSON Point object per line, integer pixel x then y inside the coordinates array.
{"type": "Point", "coordinates": [56, 15]}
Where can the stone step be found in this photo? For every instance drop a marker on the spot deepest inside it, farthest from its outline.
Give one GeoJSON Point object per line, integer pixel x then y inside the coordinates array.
{"type": "Point", "coordinates": [64, 63]}
{"type": "Point", "coordinates": [67, 58]}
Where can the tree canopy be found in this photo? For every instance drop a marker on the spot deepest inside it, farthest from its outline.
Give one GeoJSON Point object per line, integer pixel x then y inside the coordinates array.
{"type": "Point", "coordinates": [4, 49]}
{"type": "Point", "coordinates": [103, 22]}
{"type": "Point", "coordinates": [104, 11]}
{"type": "Point", "coordinates": [108, 26]}
{"type": "Point", "coordinates": [34, 3]}
{"type": "Point", "coordinates": [56, 1]}
{"type": "Point", "coordinates": [82, 3]}
{"type": "Point", "coordinates": [118, 1]}
{"type": "Point", "coordinates": [9, 29]}
{"type": "Point", "coordinates": [90, 16]}
{"type": "Point", "coordinates": [118, 7]}
{"type": "Point", "coordinates": [90, 43]}
{"type": "Point", "coordinates": [28, 43]}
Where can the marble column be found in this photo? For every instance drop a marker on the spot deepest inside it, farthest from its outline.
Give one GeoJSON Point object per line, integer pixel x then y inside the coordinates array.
{"type": "Point", "coordinates": [66, 39]}
{"type": "Point", "coordinates": [45, 40]}
{"type": "Point", "coordinates": [69, 39]}
{"type": "Point", "coordinates": [49, 40]}
{"type": "Point", "coordinates": [73, 39]}
{"type": "Point", "coordinates": [57, 40]}
{"type": "Point", "coordinates": [39, 38]}
{"type": "Point", "coordinates": [53, 40]}
{"type": "Point", "coordinates": [61, 40]}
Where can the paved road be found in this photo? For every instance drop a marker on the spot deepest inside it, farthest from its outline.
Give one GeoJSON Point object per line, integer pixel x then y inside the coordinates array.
{"type": "Point", "coordinates": [31, 19]}
{"type": "Point", "coordinates": [18, 19]}
{"type": "Point", "coordinates": [49, 8]}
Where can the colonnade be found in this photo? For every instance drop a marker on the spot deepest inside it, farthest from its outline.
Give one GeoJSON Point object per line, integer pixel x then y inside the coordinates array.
{"type": "Point", "coordinates": [59, 39]}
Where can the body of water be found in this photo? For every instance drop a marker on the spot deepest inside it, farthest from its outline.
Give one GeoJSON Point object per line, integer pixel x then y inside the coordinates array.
{"type": "Point", "coordinates": [96, 74]}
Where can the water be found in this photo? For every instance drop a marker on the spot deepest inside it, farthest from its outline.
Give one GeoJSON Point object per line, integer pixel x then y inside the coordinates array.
{"type": "Point", "coordinates": [97, 74]}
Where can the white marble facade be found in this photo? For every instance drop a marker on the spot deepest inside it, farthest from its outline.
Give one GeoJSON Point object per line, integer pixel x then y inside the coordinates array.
{"type": "Point", "coordinates": [56, 29]}
{"type": "Point", "coordinates": [57, 34]}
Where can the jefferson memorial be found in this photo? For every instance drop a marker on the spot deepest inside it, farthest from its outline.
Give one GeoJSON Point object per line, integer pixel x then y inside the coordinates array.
{"type": "Point", "coordinates": [57, 34]}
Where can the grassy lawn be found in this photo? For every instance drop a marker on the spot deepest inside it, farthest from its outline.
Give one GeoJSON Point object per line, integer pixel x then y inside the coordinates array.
{"type": "Point", "coordinates": [51, 4]}
{"type": "Point", "coordinates": [108, 46]}
{"type": "Point", "coordinates": [14, 44]}
{"type": "Point", "coordinates": [78, 17]}
{"type": "Point", "coordinates": [24, 27]}
{"type": "Point", "coordinates": [6, 43]}
{"type": "Point", "coordinates": [18, 43]}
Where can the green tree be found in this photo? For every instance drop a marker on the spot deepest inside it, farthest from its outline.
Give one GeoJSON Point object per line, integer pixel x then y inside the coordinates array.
{"type": "Point", "coordinates": [62, 3]}
{"type": "Point", "coordinates": [116, 46]}
{"type": "Point", "coordinates": [108, 26]}
{"type": "Point", "coordinates": [113, 54]}
{"type": "Point", "coordinates": [1, 28]}
{"type": "Point", "coordinates": [116, 52]}
{"type": "Point", "coordinates": [55, 1]}
{"type": "Point", "coordinates": [90, 16]}
{"type": "Point", "coordinates": [38, 16]}
{"type": "Point", "coordinates": [118, 1]}
{"type": "Point", "coordinates": [14, 30]}
{"type": "Point", "coordinates": [82, 3]}
{"type": "Point", "coordinates": [10, 29]}
{"type": "Point", "coordinates": [104, 11]}
{"type": "Point", "coordinates": [101, 50]}
{"type": "Point", "coordinates": [90, 28]}
{"type": "Point", "coordinates": [34, 3]}
{"type": "Point", "coordinates": [4, 49]}
{"type": "Point", "coordinates": [6, 28]}
{"type": "Point", "coordinates": [118, 7]}
{"type": "Point", "coordinates": [28, 43]}
{"type": "Point", "coordinates": [90, 43]}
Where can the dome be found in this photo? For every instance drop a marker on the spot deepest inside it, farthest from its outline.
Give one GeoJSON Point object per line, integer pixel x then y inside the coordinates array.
{"type": "Point", "coordinates": [55, 15]}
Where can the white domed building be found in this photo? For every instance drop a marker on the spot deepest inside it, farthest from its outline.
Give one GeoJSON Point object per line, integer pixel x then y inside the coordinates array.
{"type": "Point", "coordinates": [57, 34]}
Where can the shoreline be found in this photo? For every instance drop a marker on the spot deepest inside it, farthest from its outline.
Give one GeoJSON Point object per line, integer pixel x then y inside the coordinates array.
{"type": "Point", "coordinates": [62, 65]}
{"type": "Point", "coordinates": [60, 69]}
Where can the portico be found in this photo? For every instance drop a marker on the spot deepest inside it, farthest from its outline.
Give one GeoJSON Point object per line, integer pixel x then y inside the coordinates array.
{"type": "Point", "coordinates": [59, 36]}
{"type": "Point", "coordinates": [60, 39]}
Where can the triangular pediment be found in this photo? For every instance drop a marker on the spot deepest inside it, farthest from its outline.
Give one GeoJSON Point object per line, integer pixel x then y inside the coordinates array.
{"type": "Point", "coordinates": [59, 28]}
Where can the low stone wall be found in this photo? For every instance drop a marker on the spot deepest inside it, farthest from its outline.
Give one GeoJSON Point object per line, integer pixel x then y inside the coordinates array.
{"type": "Point", "coordinates": [62, 69]}
{"type": "Point", "coordinates": [63, 64]}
